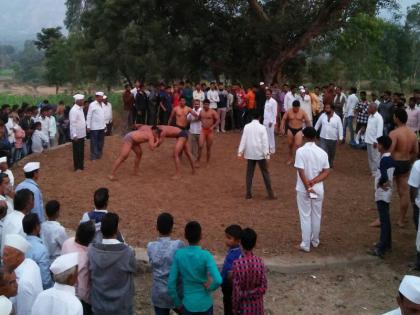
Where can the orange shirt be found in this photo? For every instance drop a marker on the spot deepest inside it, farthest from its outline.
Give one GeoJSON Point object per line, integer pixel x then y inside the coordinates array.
{"type": "Point", "coordinates": [250, 97]}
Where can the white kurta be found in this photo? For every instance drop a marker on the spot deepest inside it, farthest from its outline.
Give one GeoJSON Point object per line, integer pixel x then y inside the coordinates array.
{"type": "Point", "coordinates": [270, 115]}
{"type": "Point", "coordinates": [53, 234]}
{"type": "Point", "coordinates": [29, 282]}
{"type": "Point", "coordinates": [60, 299]}
{"type": "Point", "coordinates": [313, 160]}
{"type": "Point", "coordinates": [305, 104]}
{"type": "Point", "coordinates": [77, 122]}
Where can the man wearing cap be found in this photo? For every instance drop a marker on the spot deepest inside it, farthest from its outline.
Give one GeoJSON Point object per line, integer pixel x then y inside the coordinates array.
{"type": "Point", "coordinates": [95, 122]}
{"type": "Point", "coordinates": [61, 298]}
{"type": "Point", "coordinates": [6, 306]}
{"type": "Point", "coordinates": [408, 297]}
{"type": "Point", "coordinates": [45, 122]}
{"type": "Point", "coordinates": [78, 131]}
{"type": "Point", "coordinates": [108, 116]}
{"type": "Point", "coordinates": [27, 273]}
{"type": "Point", "coordinates": [4, 168]}
{"type": "Point", "coordinates": [312, 167]}
{"type": "Point", "coordinates": [31, 171]}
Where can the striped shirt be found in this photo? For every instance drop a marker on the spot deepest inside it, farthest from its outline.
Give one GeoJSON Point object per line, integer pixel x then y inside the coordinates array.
{"type": "Point", "coordinates": [249, 285]}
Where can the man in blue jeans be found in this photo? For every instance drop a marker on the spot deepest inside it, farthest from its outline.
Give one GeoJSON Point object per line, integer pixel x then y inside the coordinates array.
{"type": "Point", "coordinates": [199, 274]}
{"type": "Point", "coordinates": [95, 122]}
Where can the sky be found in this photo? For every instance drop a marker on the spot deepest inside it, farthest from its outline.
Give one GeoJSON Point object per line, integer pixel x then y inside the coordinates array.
{"type": "Point", "coordinates": [403, 5]}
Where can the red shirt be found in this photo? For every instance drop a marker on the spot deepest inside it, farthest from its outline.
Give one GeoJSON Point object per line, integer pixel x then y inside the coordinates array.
{"type": "Point", "coordinates": [175, 99]}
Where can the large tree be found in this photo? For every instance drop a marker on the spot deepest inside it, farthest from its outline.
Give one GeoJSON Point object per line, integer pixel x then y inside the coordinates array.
{"type": "Point", "coordinates": [241, 39]}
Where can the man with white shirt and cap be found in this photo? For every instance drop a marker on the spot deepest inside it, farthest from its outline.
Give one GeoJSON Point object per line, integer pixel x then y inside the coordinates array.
{"type": "Point", "coordinates": [108, 116]}
{"type": "Point", "coordinates": [78, 131]}
{"type": "Point", "coordinates": [312, 167]}
{"type": "Point", "coordinates": [408, 297]}
{"type": "Point", "coordinates": [270, 119]}
{"type": "Point", "coordinates": [255, 149]}
{"type": "Point", "coordinates": [95, 122]}
{"type": "Point", "coordinates": [27, 273]}
{"type": "Point", "coordinates": [4, 168]}
{"type": "Point", "coordinates": [6, 306]}
{"type": "Point", "coordinates": [31, 171]}
{"type": "Point", "coordinates": [61, 298]}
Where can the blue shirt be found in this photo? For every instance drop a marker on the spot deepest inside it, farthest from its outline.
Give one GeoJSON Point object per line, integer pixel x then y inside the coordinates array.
{"type": "Point", "coordinates": [38, 202]}
{"type": "Point", "coordinates": [232, 254]}
{"type": "Point", "coordinates": [38, 252]}
{"type": "Point", "coordinates": [161, 253]}
{"type": "Point", "coordinates": [194, 265]}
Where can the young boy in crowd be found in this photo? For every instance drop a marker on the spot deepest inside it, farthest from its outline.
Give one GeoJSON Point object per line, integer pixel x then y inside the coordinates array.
{"type": "Point", "coordinates": [194, 266]}
{"type": "Point", "coordinates": [249, 278]}
{"type": "Point", "coordinates": [233, 241]}
{"type": "Point", "coordinates": [161, 253]}
{"type": "Point", "coordinates": [383, 195]}
{"type": "Point", "coordinates": [53, 234]}
{"type": "Point", "coordinates": [40, 141]}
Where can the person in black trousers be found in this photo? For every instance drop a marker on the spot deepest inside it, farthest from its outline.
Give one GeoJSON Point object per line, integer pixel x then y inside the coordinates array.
{"type": "Point", "coordinates": [78, 132]}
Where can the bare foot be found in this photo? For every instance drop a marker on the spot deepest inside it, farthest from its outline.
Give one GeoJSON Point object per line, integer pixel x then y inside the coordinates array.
{"type": "Point", "coordinates": [375, 223]}
{"type": "Point", "coordinates": [112, 178]}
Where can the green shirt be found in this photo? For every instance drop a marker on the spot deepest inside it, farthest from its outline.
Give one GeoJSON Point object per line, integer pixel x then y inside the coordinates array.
{"type": "Point", "coordinates": [193, 265]}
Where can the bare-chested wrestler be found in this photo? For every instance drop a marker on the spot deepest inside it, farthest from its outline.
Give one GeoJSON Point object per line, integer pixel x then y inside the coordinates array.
{"type": "Point", "coordinates": [132, 142]}
{"type": "Point", "coordinates": [292, 123]}
{"type": "Point", "coordinates": [181, 112]}
{"type": "Point", "coordinates": [404, 150]}
{"type": "Point", "coordinates": [181, 145]}
{"type": "Point", "coordinates": [209, 120]}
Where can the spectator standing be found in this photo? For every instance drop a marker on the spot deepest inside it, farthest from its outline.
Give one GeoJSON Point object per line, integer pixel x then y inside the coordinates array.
{"type": "Point", "coordinates": [374, 130]}
{"type": "Point", "coordinates": [386, 109]}
{"type": "Point", "coordinates": [413, 113]}
{"type": "Point", "coordinates": [270, 119]}
{"type": "Point", "coordinates": [348, 113]}
{"type": "Point", "coordinates": [213, 96]}
{"type": "Point", "coordinates": [78, 132]}
{"type": "Point", "coordinates": [40, 141]}
{"type": "Point", "coordinates": [52, 129]}
{"type": "Point", "coordinates": [198, 94]}
{"type": "Point", "coordinates": [195, 129]}
{"type": "Point", "coordinates": [339, 102]}
{"type": "Point", "coordinates": [95, 122]}
{"type": "Point", "coordinates": [128, 102]}
{"type": "Point", "coordinates": [362, 113]}
{"type": "Point", "coordinates": [108, 116]}
{"type": "Point", "coordinates": [222, 108]}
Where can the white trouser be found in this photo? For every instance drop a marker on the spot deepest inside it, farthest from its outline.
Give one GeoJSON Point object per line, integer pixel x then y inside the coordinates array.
{"type": "Point", "coordinates": [310, 211]}
{"type": "Point", "coordinates": [271, 139]}
{"type": "Point", "coordinates": [373, 158]}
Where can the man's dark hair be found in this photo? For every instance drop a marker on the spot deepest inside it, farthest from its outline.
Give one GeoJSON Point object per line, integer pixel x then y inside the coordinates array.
{"type": "Point", "coordinates": [255, 114]}
{"type": "Point", "coordinates": [401, 115]}
{"type": "Point", "coordinates": [31, 175]}
{"type": "Point", "coordinates": [101, 197]}
{"type": "Point", "coordinates": [22, 198]}
{"type": "Point", "coordinates": [193, 232]}
{"type": "Point", "coordinates": [85, 233]}
{"type": "Point", "coordinates": [269, 90]}
{"type": "Point", "coordinates": [165, 223]}
{"type": "Point", "coordinates": [45, 109]}
{"type": "Point", "coordinates": [30, 222]}
{"type": "Point", "coordinates": [51, 208]}
{"type": "Point", "coordinates": [296, 103]}
{"type": "Point", "coordinates": [2, 177]}
{"type": "Point", "coordinates": [109, 224]}
{"type": "Point", "coordinates": [388, 93]}
{"type": "Point", "coordinates": [412, 100]}
{"type": "Point", "coordinates": [182, 97]}
{"type": "Point", "coordinates": [206, 101]}
{"type": "Point", "coordinates": [248, 239]}
{"type": "Point", "coordinates": [126, 86]}
{"type": "Point", "coordinates": [4, 106]}
{"type": "Point", "coordinates": [363, 93]}
{"type": "Point", "coordinates": [234, 230]}
{"type": "Point", "coordinates": [37, 124]}
{"type": "Point", "coordinates": [353, 90]}
{"type": "Point", "coordinates": [385, 141]}
{"type": "Point", "coordinates": [309, 133]}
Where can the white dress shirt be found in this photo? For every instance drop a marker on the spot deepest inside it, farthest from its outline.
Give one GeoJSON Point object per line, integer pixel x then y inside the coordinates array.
{"type": "Point", "coordinates": [195, 122]}
{"type": "Point", "coordinates": [213, 96]}
{"type": "Point", "coordinates": [10, 125]}
{"type": "Point", "coordinates": [413, 121]}
{"type": "Point", "coordinates": [306, 105]}
{"type": "Point", "coordinates": [254, 142]}
{"type": "Point", "coordinates": [351, 103]}
{"type": "Point", "coordinates": [289, 98]}
{"type": "Point", "coordinates": [60, 299]}
{"type": "Point", "coordinates": [270, 111]}
{"type": "Point", "coordinates": [45, 125]}
{"type": "Point", "coordinates": [53, 234]}
{"type": "Point", "coordinates": [313, 160]}
{"type": "Point", "coordinates": [52, 129]}
{"type": "Point", "coordinates": [108, 112]}
{"type": "Point", "coordinates": [374, 129]}
{"type": "Point", "coordinates": [332, 129]}
{"type": "Point", "coordinates": [77, 122]}
{"type": "Point", "coordinates": [12, 225]}
{"type": "Point", "coordinates": [39, 141]}
{"type": "Point", "coordinates": [199, 95]}
{"type": "Point", "coordinates": [414, 180]}
{"type": "Point", "coordinates": [28, 278]}
{"type": "Point", "coordinates": [96, 116]}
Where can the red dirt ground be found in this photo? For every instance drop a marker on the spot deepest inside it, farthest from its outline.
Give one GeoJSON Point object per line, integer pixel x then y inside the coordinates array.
{"type": "Point", "coordinates": [215, 197]}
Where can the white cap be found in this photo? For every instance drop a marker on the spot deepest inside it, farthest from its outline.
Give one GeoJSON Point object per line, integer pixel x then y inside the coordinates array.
{"type": "Point", "coordinates": [3, 159]}
{"type": "Point", "coordinates": [105, 97]}
{"type": "Point", "coordinates": [410, 288]}
{"type": "Point", "coordinates": [262, 83]}
{"type": "Point", "coordinates": [17, 241]}
{"type": "Point", "coordinates": [99, 93]}
{"type": "Point", "coordinates": [31, 166]}
{"type": "Point", "coordinates": [78, 97]}
{"type": "Point", "coordinates": [301, 87]}
{"type": "Point", "coordinates": [64, 263]}
{"type": "Point", "coordinates": [5, 306]}
{"type": "Point", "coordinates": [302, 90]}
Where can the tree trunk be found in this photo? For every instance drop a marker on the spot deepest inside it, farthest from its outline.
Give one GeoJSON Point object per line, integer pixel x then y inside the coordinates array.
{"type": "Point", "coordinates": [269, 72]}
{"type": "Point", "coordinates": [57, 88]}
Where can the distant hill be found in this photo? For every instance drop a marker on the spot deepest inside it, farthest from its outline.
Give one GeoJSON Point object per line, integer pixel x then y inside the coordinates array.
{"type": "Point", "coordinates": [20, 20]}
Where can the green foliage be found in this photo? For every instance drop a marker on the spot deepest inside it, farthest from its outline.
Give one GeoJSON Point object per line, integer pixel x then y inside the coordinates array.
{"type": "Point", "coordinates": [47, 37]}
{"type": "Point", "coordinates": [29, 67]}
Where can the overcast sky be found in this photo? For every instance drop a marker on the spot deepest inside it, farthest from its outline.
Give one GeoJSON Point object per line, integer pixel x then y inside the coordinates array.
{"type": "Point", "coordinates": [403, 5]}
